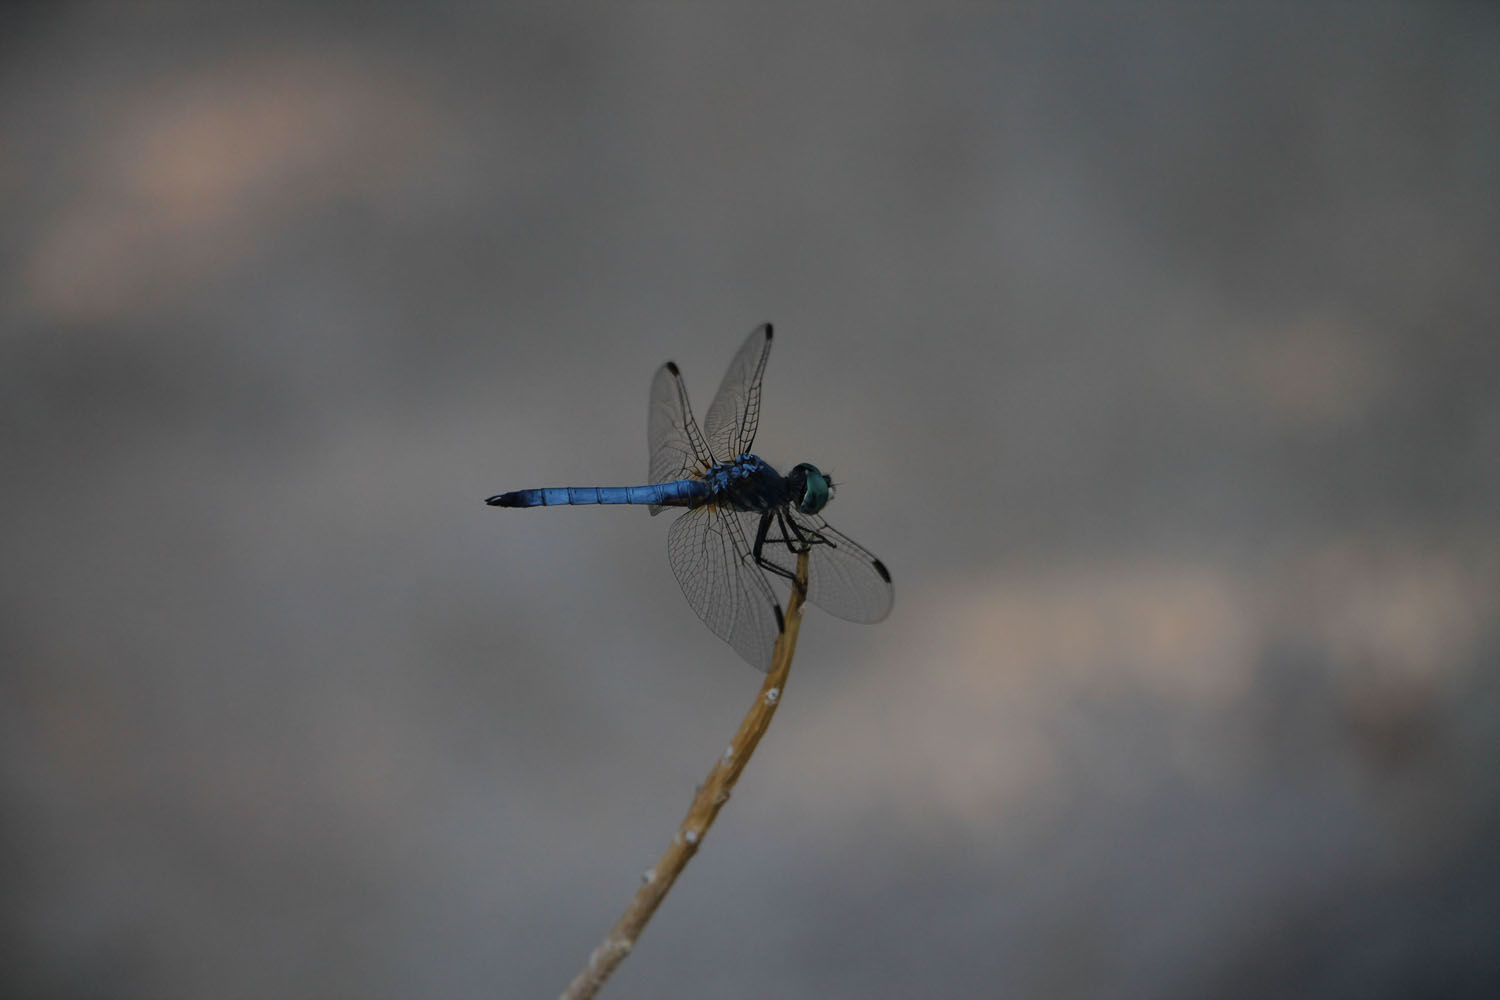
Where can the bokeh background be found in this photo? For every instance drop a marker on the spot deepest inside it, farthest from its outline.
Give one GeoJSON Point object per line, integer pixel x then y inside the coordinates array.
{"type": "Point", "coordinates": [1155, 349]}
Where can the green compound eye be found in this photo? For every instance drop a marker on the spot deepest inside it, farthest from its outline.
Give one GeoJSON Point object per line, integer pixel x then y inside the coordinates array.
{"type": "Point", "coordinates": [810, 488]}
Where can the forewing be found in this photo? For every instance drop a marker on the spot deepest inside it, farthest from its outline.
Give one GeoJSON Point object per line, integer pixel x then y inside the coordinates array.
{"type": "Point", "coordinates": [730, 423]}
{"type": "Point", "coordinates": [710, 556]}
{"type": "Point", "coordinates": [843, 578]}
{"type": "Point", "coordinates": [672, 436]}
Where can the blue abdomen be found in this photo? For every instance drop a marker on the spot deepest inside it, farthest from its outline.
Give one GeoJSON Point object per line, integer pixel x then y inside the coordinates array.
{"type": "Point", "coordinates": [682, 493]}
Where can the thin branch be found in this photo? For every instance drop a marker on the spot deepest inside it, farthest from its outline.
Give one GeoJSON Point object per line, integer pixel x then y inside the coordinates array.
{"type": "Point", "coordinates": [712, 795]}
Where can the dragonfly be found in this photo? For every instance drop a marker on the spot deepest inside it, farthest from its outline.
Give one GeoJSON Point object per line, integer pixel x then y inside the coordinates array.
{"type": "Point", "coordinates": [745, 524]}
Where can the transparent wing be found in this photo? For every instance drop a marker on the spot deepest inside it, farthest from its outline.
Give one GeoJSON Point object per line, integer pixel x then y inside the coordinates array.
{"type": "Point", "coordinates": [711, 558]}
{"type": "Point", "coordinates": [843, 578]}
{"type": "Point", "coordinates": [676, 445]}
{"type": "Point", "coordinates": [730, 423]}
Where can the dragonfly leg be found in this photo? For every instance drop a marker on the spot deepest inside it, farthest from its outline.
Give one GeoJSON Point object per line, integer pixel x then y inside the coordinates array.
{"type": "Point", "coordinates": [802, 537]}
{"type": "Point", "coordinates": [792, 536]}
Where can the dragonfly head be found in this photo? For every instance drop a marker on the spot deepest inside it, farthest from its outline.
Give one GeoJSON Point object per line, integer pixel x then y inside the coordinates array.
{"type": "Point", "coordinates": [810, 489]}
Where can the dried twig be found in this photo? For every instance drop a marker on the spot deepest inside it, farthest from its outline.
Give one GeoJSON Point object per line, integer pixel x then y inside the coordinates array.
{"type": "Point", "coordinates": [712, 795]}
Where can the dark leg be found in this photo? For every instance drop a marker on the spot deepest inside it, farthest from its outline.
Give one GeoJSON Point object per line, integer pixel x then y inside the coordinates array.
{"type": "Point", "coordinates": [760, 547]}
{"type": "Point", "coordinates": [798, 538]}
{"type": "Point", "coordinates": [799, 545]}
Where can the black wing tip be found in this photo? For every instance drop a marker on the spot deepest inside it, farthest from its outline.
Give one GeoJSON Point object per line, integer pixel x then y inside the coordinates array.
{"type": "Point", "coordinates": [671, 366]}
{"type": "Point", "coordinates": [769, 329]}
{"type": "Point", "coordinates": [885, 574]}
{"type": "Point", "coordinates": [501, 500]}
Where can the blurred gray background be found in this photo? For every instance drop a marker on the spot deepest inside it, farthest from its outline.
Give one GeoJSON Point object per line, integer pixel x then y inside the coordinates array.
{"type": "Point", "coordinates": [1155, 350]}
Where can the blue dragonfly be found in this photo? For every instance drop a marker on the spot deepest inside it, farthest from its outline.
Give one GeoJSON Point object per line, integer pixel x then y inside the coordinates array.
{"type": "Point", "coordinates": [744, 520]}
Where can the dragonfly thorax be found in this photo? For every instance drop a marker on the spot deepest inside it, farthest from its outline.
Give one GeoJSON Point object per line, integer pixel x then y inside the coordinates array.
{"type": "Point", "coordinates": [749, 483]}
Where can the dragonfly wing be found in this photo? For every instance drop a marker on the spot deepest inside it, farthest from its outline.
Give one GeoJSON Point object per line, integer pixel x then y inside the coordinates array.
{"type": "Point", "coordinates": [711, 558]}
{"type": "Point", "coordinates": [732, 417]}
{"type": "Point", "coordinates": [843, 578]}
{"type": "Point", "coordinates": [676, 445]}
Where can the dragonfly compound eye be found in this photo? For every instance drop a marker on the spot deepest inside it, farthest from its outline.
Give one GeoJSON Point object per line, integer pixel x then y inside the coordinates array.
{"type": "Point", "coordinates": [809, 487]}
